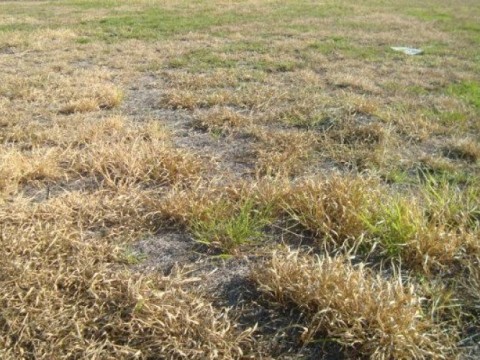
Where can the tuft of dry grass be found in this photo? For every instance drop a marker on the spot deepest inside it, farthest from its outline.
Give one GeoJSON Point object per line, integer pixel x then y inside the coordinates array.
{"type": "Point", "coordinates": [282, 153]}
{"type": "Point", "coordinates": [100, 97]}
{"type": "Point", "coordinates": [332, 208]}
{"type": "Point", "coordinates": [220, 119]}
{"type": "Point", "coordinates": [466, 149]}
{"type": "Point", "coordinates": [137, 161]}
{"type": "Point", "coordinates": [18, 168]}
{"type": "Point", "coordinates": [377, 318]}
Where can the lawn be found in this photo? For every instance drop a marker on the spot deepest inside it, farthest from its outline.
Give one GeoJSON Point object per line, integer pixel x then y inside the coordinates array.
{"type": "Point", "coordinates": [239, 179]}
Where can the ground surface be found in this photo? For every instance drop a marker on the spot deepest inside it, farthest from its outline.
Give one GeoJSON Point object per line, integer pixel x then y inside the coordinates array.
{"type": "Point", "coordinates": [239, 179]}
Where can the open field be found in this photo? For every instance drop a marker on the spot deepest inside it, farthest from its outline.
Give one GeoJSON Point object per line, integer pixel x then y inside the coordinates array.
{"type": "Point", "coordinates": [243, 179]}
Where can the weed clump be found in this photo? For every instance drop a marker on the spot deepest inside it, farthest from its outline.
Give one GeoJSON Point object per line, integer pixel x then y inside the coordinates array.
{"type": "Point", "coordinates": [228, 227]}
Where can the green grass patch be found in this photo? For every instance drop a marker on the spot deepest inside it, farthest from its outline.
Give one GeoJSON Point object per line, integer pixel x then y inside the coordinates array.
{"type": "Point", "coordinates": [132, 257]}
{"type": "Point", "coordinates": [227, 229]}
{"type": "Point", "coordinates": [305, 10]}
{"type": "Point", "coordinates": [430, 14]}
{"type": "Point", "coordinates": [83, 40]}
{"type": "Point", "coordinates": [397, 176]}
{"type": "Point", "coordinates": [394, 225]}
{"type": "Point", "coordinates": [468, 91]}
{"type": "Point", "coordinates": [345, 47]}
{"type": "Point", "coordinates": [156, 23]}
{"type": "Point", "coordinates": [276, 66]}
{"type": "Point", "coordinates": [447, 118]}
{"type": "Point", "coordinates": [329, 45]}
{"type": "Point", "coordinates": [247, 46]}
{"type": "Point", "coordinates": [201, 59]}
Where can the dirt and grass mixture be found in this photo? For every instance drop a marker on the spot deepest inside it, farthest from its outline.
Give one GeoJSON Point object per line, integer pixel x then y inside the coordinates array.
{"type": "Point", "coordinates": [239, 179]}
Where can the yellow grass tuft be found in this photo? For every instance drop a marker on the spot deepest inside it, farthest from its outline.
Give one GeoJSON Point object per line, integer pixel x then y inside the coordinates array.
{"type": "Point", "coordinates": [103, 97]}
{"type": "Point", "coordinates": [221, 119]}
{"type": "Point", "coordinates": [36, 166]}
{"type": "Point", "coordinates": [332, 208]}
{"type": "Point", "coordinates": [378, 318]}
{"type": "Point", "coordinates": [282, 153]}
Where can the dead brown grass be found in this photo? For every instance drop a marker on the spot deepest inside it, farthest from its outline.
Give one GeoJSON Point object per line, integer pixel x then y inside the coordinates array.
{"type": "Point", "coordinates": [104, 97]}
{"type": "Point", "coordinates": [19, 168]}
{"type": "Point", "coordinates": [221, 119]}
{"type": "Point", "coordinates": [380, 319]}
{"type": "Point", "coordinates": [137, 161]}
{"type": "Point", "coordinates": [466, 149]}
{"type": "Point", "coordinates": [332, 208]}
{"type": "Point", "coordinates": [282, 153]}
{"type": "Point", "coordinates": [62, 296]}
{"type": "Point", "coordinates": [285, 121]}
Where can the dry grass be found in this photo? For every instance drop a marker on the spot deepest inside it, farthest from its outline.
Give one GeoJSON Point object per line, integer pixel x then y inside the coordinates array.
{"type": "Point", "coordinates": [466, 149]}
{"type": "Point", "coordinates": [62, 296]}
{"type": "Point", "coordinates": [239, 126]}
{"type": "Point", "coordinates": [19, 168]}
{"type": "Point", "coordinates": [378, 318]}
{"type": "Point", "coordinates": [472, 285]}
{"type": "Point", "coordinates": [105, 97]}
{"type": "Point", "coordinates": [332, 208]}
{"type": "Point", "coordinates": [282, 153]}
{"type": "Point", "coordinates": [137, 161]}
{"type": "Point", "coordinates": [221, 120]}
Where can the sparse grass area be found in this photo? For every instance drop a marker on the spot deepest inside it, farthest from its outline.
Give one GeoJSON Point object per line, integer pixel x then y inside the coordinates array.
{"type": "Point", "coordinates": [241, 127]}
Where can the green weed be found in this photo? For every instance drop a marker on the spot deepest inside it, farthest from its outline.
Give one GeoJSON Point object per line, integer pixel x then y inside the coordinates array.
{"type": "Point", "coordinates": [394, 225]}
{"type": "Point", "coordinates": [131, 257]}
{"type": "Point", "coordinates": [228, 228]}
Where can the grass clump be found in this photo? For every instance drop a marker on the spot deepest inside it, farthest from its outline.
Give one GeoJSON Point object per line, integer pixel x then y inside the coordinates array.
{"type": "Point", "coordinates": [229, 227]}
{"type": "Point", "coordinates": [448, 204]}
{"type": "Point", "coordinates": [331, 208]}
{"type": "Point", "coordinates": [19, 168]}
{"type": "Point", "coordinates": [220, 120]}
{"type": "Point", "coordinates": [374, 317]}
{"type": "Point", "coordinates": [137, 161]}
{"type": "Point", "coordinates": [103, 97]}
{"type": "Point", "coordinates": [466, 149]}
{"type": "Point", "coordinates": [397, 223]}
{"type": "Point", "coordinates": [282, 153]}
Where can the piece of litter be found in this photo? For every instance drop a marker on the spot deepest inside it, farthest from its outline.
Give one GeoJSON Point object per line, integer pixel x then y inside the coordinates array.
{"type": "Point", "coordinates": [407, 50]}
